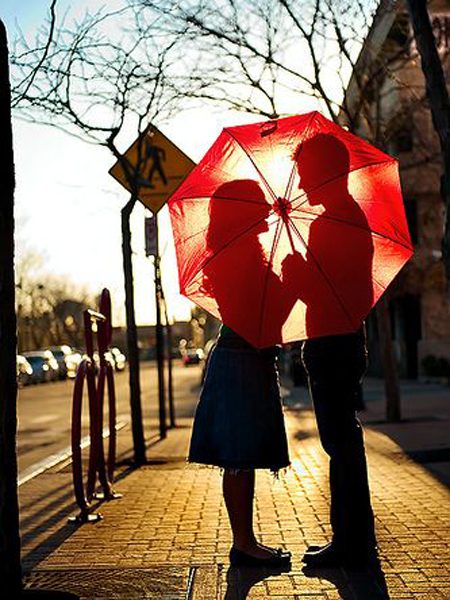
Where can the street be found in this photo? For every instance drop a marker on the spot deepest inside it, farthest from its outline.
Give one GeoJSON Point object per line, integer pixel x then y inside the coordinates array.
{"type": "Point", "coordinates": [45, 411]}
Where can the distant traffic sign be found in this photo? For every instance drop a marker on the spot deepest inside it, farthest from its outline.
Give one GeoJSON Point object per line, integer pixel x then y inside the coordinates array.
{"type": "Point", "coordinates": [156, 165]}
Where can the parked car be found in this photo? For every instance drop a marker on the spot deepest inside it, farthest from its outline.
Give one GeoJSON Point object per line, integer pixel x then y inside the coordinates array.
{"type": "Point", "coordinates": [68, 360]}
{"type": "Point", "coordinates": [24, 371]}
{"type": "Point", "coordinates": [73, 361]}
{"type": "Point", "coordinates": [44, 364]}
{"type": "Point", "coordinates": [108, 357]}
{"type": "Point", "coordinates": [192, 356]}
{"type": "Point", "coordinates": [119, 358]}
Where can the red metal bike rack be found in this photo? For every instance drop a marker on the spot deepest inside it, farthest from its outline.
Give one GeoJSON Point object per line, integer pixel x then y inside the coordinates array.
{"type": "Point", "coordinates": [87, 372]}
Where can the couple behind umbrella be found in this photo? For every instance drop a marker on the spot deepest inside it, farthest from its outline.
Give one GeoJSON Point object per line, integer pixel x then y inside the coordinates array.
{"type": "Point", "coordinates": [239, 423]}
{"type": "Point", "coordinates": [332, 280]}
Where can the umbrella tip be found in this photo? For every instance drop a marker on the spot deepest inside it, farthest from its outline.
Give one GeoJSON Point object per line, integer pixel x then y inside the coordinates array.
{"type": "Point", "coordinates": [268, 128]}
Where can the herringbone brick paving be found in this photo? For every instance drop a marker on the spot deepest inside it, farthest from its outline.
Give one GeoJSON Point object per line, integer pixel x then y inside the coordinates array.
{"type": "Point", "coordinates": [172, 514]}
{"type": "Point", "coordinates": [172, 517]}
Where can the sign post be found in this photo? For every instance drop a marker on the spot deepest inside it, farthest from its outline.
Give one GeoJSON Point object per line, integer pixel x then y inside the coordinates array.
{"type": "Point", "coordinates": [169, 364]}
{"type": "Point", "coordinates": [151, 249]}
{"type": "Point", "coordinates": [152, 169]}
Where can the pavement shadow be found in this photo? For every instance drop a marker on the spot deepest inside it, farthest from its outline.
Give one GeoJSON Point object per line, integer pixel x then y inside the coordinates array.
{"type": "Point", "coordinates": [241, 580]}
{"type": "Point", "coordinates": [32, 555]}
{"type": "Point", "coordinates": [353, 585]}
{"type": "Point", "coordinates": [54, 516]}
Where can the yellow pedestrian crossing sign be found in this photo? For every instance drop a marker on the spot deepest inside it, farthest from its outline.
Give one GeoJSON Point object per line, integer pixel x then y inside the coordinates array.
{"type": "Point", "coordinates": [154, 167]}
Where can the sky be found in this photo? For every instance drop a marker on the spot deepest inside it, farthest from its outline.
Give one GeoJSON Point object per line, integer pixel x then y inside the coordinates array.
{"type": "Point", "coordinates": [68, 206]}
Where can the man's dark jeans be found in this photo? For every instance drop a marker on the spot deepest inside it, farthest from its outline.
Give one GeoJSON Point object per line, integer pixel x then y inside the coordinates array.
{"type": "Point", "coordinates": [335, 366]}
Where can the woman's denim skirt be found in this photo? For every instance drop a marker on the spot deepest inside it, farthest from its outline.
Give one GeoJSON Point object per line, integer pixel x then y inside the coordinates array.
{"type": "Point", "coordinates": [239, 421]}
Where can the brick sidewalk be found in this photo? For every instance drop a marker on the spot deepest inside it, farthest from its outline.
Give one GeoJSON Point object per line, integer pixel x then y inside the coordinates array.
{"type": "Point", "coordinates": [169, 533]}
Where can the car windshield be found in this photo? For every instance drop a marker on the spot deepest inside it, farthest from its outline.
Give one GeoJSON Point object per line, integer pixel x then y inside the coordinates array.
{"type": "Point", "coordinates": [37, 360]}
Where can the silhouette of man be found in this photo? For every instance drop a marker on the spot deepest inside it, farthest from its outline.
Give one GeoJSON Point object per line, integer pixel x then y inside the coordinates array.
{"type": "Point", "coordinates": [336, 363]}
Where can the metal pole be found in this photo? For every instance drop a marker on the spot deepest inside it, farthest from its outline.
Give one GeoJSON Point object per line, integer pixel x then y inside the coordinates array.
{"type": "Point", "coordinates": [159, 340]}
{"type": "Point", "coordinates": [169, 364]}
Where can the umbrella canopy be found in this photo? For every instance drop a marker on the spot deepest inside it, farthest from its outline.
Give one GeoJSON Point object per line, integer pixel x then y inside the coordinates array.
{"type": "Point", "coordinates": [289, 229]}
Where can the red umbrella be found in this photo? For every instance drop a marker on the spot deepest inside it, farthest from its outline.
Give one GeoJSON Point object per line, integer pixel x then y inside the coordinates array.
{"type": "Point", "coordinates": [289, 229]}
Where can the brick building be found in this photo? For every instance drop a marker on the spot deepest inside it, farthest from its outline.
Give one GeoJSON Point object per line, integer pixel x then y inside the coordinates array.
{"type": "Point", "coordinates": [386, 103]}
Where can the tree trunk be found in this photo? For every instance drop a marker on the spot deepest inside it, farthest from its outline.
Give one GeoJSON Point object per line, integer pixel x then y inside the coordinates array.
{"type": "Point", "coordinates": [391, 383]}
{"type": "Point", "coordinates": [10, 569]}
{"type": "Point", "coordinates": [132, 339]}
{"type": "Point", "coordinates": [391, 380]}
{"type": "Point", "coordinates": [440, 106]}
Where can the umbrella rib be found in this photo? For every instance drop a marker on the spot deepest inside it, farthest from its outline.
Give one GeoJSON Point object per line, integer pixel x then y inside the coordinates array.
{"type": "Point", "coordinates": [327, 280]}
{"type": "Point", "coordinates": [382, 162]}
{"type": "Point", "coordinates": [266, 279]}
{"type": "Point", "coordinates": [294, 166]}
{"type": "Point", "coordinates": [231, 241]}
{"type": "Point", "coordinates": [247, 152]}
{"type": "Point", "coordinates": [344, 222]}
{"type": "Point", "coordinates": [190, 237]}
{"type": "Point", "coordinates": [380, 285]}
{"type": "Point", "coordinates": [290, 182]}
{"type": "Point", "coordinates": [205, 196]}
{"type": "Point", "coordinates": [184, 240]}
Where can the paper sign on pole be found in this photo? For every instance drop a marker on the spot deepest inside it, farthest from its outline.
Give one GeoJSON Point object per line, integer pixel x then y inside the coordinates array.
{"type": "Point", "coordinates": [151, 236]}
{"type": "Point", "coordinates": [155, 166]}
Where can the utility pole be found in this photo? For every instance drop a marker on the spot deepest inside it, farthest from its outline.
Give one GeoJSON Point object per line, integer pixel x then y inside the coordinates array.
{"type": "Point", "coordinates": [159, 339]}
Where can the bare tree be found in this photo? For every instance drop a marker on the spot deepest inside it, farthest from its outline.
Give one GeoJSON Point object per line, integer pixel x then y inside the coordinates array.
{"type": "Point", "coordinates": [266, 56]}
{"type": "Point", "coordinates": [439, 99]}
{"type": "Point", "coordinates": [49, 308]}
{"type": "Point", "coordinates": [259, 56]}
{"type": "Point", "coordinates": [97, 79]}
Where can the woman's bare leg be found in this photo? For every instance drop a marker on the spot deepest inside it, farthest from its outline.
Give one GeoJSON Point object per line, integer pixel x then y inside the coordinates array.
{"type": "Point", "coordinates": [238, 492]}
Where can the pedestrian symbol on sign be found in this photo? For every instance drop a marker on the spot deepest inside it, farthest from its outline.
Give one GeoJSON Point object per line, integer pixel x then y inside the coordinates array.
{"type": "Point", "coordinates": [154, 156]}
{"type": "Point", "coordinates": [152, 168]}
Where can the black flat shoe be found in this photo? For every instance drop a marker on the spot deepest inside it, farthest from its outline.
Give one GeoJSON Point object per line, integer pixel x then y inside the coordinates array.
{"type": "Point", "coordinates": [329, 556]}
{"type": "Point", "coordinates": [279, 558]}
{"type": "Point", "coordinates": [314, 548]}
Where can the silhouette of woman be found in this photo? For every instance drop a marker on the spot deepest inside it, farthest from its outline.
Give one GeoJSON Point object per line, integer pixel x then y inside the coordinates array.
{"type": "Point", "coordinates": [239, 422]}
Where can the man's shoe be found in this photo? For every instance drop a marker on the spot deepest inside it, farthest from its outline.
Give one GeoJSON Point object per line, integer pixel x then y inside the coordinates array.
{"type": "Point", "coordinates": [278, 559]}
{"type": "Point", "coordinates": [314, 548]}
{"type": "Point", "coordinates": [329, 556]}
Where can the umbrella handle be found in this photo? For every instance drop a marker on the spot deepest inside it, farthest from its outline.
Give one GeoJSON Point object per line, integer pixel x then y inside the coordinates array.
{"type": "Point", "coordinates": [282, 207]}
